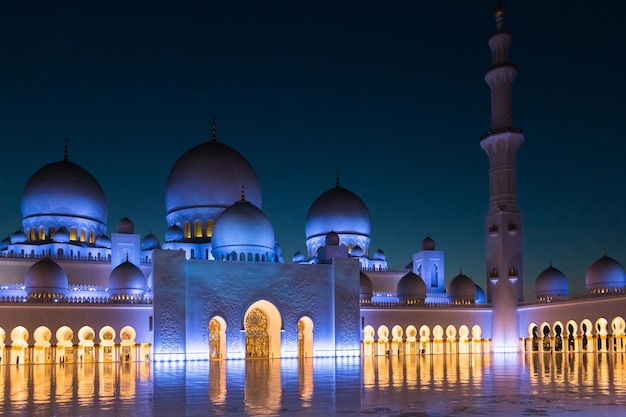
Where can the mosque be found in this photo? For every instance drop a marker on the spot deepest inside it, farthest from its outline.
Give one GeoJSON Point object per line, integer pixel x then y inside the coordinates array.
{"type": "Point", "coordinates": [218, 287]}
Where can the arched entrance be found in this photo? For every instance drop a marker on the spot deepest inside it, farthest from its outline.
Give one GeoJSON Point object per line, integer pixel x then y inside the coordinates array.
{"type": "Point", "coordinates": [127, 345]}
{"type": "Point", "coordinates": [19, 343]}
{"type": "Point", "coordinates": [85, 344]}
{"type": "Point", "coordinates": [65, 344]}
{"type": "Point", "coordinates": [305, 337]}
{"type": "Point", "coordinates": [262, 324]}
{"type": "Point", "coordinates": [43, 351]}
{"type": "Point", "coordinates": [217, 338]}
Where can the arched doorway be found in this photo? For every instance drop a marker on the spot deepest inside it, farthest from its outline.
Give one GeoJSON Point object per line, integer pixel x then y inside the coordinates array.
{"type": "Point", "coordinates": [262, 324]}
{"type": "Point", "coordinates": [107, 344]}
{"type": "Point", "coordinates": [217, 338]}
{"type": "Point", "coordinates": [19, 343]}
{"type": "Point", "coordinates": [65, 344]}
{"type": "Point", "coordinates": [127, 345]}
{"type": "Point", "coordinates": [43, 351]}
{"type": "Point", "coordinates": [85, 344]}
{"type": "Point", "coordinates": [305, 337]}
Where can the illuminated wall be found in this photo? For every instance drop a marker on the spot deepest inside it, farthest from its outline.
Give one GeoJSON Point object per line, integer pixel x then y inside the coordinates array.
{"type": "Point", "coordinates": [189, 293]}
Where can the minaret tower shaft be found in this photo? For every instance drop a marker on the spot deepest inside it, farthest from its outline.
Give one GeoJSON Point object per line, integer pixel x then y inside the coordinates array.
{"type": "Point", "coordinates": [505, 284]}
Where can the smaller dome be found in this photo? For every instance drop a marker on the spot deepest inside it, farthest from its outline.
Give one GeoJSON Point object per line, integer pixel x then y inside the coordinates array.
{"type": "Point", "coordinates": [551, 283]}
{"type": "Point", "coordinates": [128, 280]}
{"type": "Point", "coordinates": [332, 239]}
{"type": "Point", "coordinates": [174, 234]}
{"type": "Point", "coordinates": [61, 236]}
{"type": "Point", "coordinates": [481, 298]}
{"type": "Point", "coordinates": [126, 226]}
{"type": "Point", "coordinates": [605, 274]}
{"type": "Point", "coordinates": [4, 244]}
{"type": "Point", "coordinates": [297, 257]}
{"type": "Point", "coordinates": [462, 290]}
{"type": "Point", "coordinates": [428, 244]}
{"type": "Point", "coordinates": [45, 279]}
{"type": "Point", "coordinates": [411, 289]}
{"type": "Point", "coordinates": [366, 289]}
{"type": "Point", "coordinates": [150, 242]}
{"type": "Point", "coordinates": [243, 231]}
{"type": "Point", "coordinates": [103, 241]}
{"type": "Point", "coordinates": [357, 251]}
{"type": "Point", "coordinates": [19, 237]}
{"type": "Point", "coordinates": [379, 255]}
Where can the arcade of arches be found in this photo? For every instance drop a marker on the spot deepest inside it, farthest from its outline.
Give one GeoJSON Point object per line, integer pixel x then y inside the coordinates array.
{"type": "Point", "coordinates": [262, 325]}
{"type": "Point", "coordinates": [67, 345]}
{"type": "Point", "coordinates": [425, 341]}
{"type": "Point", "coordinates": [587, 336]}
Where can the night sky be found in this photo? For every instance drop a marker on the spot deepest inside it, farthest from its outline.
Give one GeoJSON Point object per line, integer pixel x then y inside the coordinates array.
{"type": "Point", "coordinates": [390, 93]}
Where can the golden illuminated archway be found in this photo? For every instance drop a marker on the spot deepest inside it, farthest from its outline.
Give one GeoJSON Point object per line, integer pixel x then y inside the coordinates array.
{"type": "Point", "coordinates": [65, 344]}
{"type": "Point", "coordinates": [217, 338]}
{"type": "Point", "coordinates": [42, 351]}
{"type": "Point", "coordinates": [262, 323]}
{"type": "Point", "coordinates": [305, 337]}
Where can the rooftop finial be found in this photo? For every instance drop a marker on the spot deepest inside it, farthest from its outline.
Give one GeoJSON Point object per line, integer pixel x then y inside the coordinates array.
{"type": "Point", "coordinates": [243, 193]}
{"type": "Point", "coordinates": [66, 150]}
{"type": "Point", "coordinates": [499, 15]}
{"type": "Point", "coordinates": [213, 130]}
{"type": "Point", "coordinates": [604, 252]}
{"type": "Point", "coordinates": [126, 256]}
{"type": "Point", "coordinates": [337, 178]}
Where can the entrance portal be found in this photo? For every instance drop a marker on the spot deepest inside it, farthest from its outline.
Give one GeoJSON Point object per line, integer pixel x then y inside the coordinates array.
{"type": "Point", "coordinates": [257, 338]}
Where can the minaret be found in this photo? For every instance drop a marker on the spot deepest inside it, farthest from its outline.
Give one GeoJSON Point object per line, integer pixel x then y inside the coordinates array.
{"type": "Point", "coordinates": [505, 284]}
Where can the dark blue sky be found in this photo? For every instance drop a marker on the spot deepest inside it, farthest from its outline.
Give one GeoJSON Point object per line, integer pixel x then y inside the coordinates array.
{"type": "Point", "coordinates": [391, 93]}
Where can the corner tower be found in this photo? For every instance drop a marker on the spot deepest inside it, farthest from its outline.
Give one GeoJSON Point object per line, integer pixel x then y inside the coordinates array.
{"type": "Point", "coordinates": [505, 284]}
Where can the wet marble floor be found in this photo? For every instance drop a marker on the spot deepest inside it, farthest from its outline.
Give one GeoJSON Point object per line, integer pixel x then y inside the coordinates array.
{"type": "Point", "coordinates": [431, 385]}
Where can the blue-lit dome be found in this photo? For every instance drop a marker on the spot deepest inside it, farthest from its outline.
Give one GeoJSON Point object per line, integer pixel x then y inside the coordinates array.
{"type": "Point", "coordinates": [205, 181]}
{"type": "Point", "coordinates": [605, 274]}
{"type": "Point", "coordinates": [341, 211]}
{"type": "Point", "coordinates": [18, 237]}
{"type": "Point", "coordinates": [150, 242]}
{"type": "Point", "coordinates": [127, 280]}
{"type": "Point", "coordinates": [297, 257]}
{"type": "Point", "coordinates": [243, 232]}
{"type": "Point", "coordinates": [379, 255]}
{"type": "Point", "coordinates": [64, 194]}
{"type": "Point", "coordinates": [332, 239]}
{"type": "Point", "coordinates": [461, 289]}
{"type": "Point", "coordinates": [551, 283]}
{"type": "Point", "coordinates": [46, 280]}
{"type": "Point", "coordinates": [173, 234]}
{"type": "Point", "coordinates": [357, 251]}
{"type": "Point", "coordinates": [103, 241]}
{"type": "Point", "coordinates": [481, 297]}
{"type": "Point", "coordinates": [411, 289]}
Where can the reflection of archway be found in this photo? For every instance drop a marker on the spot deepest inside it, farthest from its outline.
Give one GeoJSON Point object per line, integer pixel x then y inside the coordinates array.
{"type": "Point", "coordinates": [305, 337]}
{"type": "Point", "coordinates": [262, 323]}
{"type": "Point", "coordinates": [43, 352]}
{"type": "Point", "coordinates": [19, 342]}
{"type": "Point", "coordinates": [2, 337]}
{"type": "Point", "coordinates": [85, 344]}
{"type": "Point", "coordinates": [617, 325]}
{"type": "Point", "coordinates": [217, 338]}
{"type": "Point", "coordinates": [65, 344]}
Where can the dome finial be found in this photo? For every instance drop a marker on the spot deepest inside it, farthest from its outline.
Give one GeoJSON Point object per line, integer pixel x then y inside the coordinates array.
{"type": "Point", "coordinates": [126, 256]}
{"type": "Point", "coordinates": [337, 178]}
{"type": "Point", "coordinates": [66, 150]}
{"type": "Point", "coordinates": [214, 130]}
{"type": "Point", "coordinates": [604, 252]}
{"type": "Point", "coordinates": [243, 193]}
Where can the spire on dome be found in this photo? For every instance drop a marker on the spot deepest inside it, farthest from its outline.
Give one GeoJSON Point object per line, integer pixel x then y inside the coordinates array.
{"type": "Point", "coordinates": [214, 130]}
{"type": "Point", "coordinates": [337, 178]}
{"type": "Point", "coordinates": [243, 193]}
{"type": "Point", "coordinates": [66, 151]}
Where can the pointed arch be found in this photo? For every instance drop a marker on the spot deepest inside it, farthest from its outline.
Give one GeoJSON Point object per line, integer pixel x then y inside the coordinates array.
{"type": "Point", "coordinates": [65, 344]}
{"type": "Point", "coordinates": [217, 338]}
{"type": "Point", "coordinates": [305, 337]}
{"type": "Point", "coordinates": [262, 324]}
{"type": "Point", "coordinates": [127, 345]}
{"type": "Point", "coordinates": [368, 340]}
{"type": "Point", "coordinates": [86, 336]}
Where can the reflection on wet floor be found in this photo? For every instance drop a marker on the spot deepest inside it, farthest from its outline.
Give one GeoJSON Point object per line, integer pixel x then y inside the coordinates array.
{"type": "Point", "coordinates": [420, 385]}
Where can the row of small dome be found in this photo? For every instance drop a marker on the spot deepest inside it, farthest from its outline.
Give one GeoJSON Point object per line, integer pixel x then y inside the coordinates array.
{"type": "Point", "coordinates": [604, 275]}
{"type": "Point", "coordinates": [411, 289]}
{"type": "Point", "coordinates": [47, 279]}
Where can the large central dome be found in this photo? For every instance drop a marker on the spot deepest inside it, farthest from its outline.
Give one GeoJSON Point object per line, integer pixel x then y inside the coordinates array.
{"type": "Point", "coordinates": [66, 192]}
{"type": "Point", "coordinates": [207, 179]}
